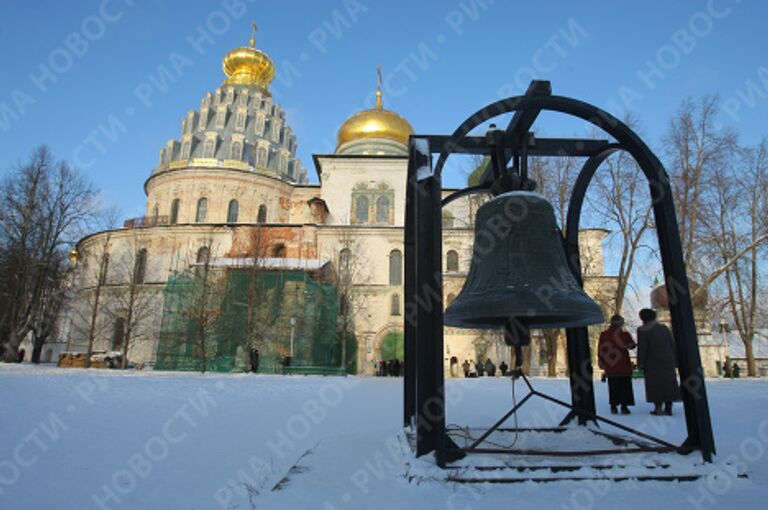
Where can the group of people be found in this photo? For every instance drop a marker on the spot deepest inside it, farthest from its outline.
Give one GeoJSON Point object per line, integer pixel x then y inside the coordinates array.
{"type": "Point", "coordinates": [389, 368]}
{"type": "Point", "coordinates": [656, 358]}
{"type": "Point", "coordinates": [477, 368]}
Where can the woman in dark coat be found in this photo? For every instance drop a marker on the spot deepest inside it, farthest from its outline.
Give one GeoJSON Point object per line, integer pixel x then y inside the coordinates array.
{"type": "Point", "coordinates": [613, 358]}
{"type": "Point", "coordinates": [656, 357]}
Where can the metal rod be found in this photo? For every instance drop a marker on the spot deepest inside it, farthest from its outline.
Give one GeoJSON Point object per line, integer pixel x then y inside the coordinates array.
{"type": "Point", "coordinates": [499, 423]}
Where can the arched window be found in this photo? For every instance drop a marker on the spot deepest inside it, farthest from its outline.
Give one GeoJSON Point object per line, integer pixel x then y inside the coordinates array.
{"type": "Point", "coordinates": [174, 211]}
{"type": "Point", "coordinates": [155, 211]}
{"type": "Point", "coordinates": [344, 265]}
{"type": "Point", "coordinates": [209, 148]}
{"type": "Point", "coordinates": [394, 305]}
{"type": "Point", "coordinates": [262, 216]}
{"type": "Point", "coordinates": [261, 156]}
{"type": "Point", "coordinates": [278, 251]}
{"type": "Point", "coordinates": [452, 261]}
{"type": "Point", "coordinates": [447, 219]}
{"type": "Point", "coordinates": [361, 209]}
{"type": "Point", "coordinates": [118, 334]}
{"type": "Point", "coordinates": [395, 267]}
{"type": "Point", "coordinates": [202, 255]}
{"type": "Point", "coordinates": [202, 210]}
{"type": "Point", "coordinates": [382, 209]}
{"type": "Point", "coordinates": [185, 149]}
{"type": "Point", "coordinates": [232, 211]}
{"type": "Point", "coordinates": [140, 266]}
{"type": "Point", "coordinates": [237, 150]}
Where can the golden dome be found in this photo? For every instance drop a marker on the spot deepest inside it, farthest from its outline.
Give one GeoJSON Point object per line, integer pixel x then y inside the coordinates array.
{"type": "Point", "coordinates": [248, 66]}
{"type": "Point", "coordinates": [375, 123]}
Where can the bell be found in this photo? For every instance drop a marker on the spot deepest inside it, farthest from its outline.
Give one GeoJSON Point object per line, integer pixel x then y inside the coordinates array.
{"type": "Point", "coordinates": [519, 273]}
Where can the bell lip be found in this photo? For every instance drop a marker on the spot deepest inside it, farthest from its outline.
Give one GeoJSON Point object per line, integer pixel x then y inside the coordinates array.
{"type": "Point", "coordinates": [583, 321]}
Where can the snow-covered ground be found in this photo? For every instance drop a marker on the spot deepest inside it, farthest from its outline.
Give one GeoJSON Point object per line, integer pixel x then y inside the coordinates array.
{"type": "Point", "coordinates": [77, 439]}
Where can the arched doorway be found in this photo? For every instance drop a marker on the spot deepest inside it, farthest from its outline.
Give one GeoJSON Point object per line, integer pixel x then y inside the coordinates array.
{"type": "Point", "coordinates": [391, 346]}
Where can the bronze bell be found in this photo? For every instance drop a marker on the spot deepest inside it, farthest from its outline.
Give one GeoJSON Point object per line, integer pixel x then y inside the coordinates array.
{"type": "Point", "coordinates": [519, 272]}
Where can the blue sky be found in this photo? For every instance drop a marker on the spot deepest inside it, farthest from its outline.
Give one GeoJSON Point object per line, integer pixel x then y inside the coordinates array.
{"type": "Point", "coordinates": [85, 77]}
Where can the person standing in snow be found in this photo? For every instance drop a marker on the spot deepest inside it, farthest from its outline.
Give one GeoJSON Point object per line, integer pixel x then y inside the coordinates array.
{"type": "Point", "coordinates": [490, 368]}
{"type": "Point", "coordinates": [254, 355]}
{"type": "Point", "coordinates": [656, 357]}
{"type": "Point", "coordinates": [503, 368]}
{"type": "Point", "coordinates": [613, 358]}
{"type": "Point", "coordinates": [480, 368]}
{"type": "Point", "coordinates": [465, 367]}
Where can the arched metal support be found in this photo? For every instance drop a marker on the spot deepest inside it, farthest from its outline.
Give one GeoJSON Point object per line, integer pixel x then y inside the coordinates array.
{"type": "Point", "coordinates": [423, 228]}
{"type": "Point", "coordinates": [578, 350]}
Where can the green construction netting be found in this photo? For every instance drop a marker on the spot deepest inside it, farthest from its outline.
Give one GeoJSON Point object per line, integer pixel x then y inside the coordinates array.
{"type": "Point", "coordinates": [212, 319]}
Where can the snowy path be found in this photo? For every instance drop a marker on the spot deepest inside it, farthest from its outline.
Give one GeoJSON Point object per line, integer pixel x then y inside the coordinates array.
{"type": "Point", "coordinates": [76, 439]}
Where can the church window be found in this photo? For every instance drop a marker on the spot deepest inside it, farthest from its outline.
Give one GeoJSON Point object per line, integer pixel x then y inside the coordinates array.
{"type": "Point", "coordinates": [174, 211]}
{"type": "Point", "coordinates": [262, 215]}
{"type": "Point", "coordinates": [185, 149]}
{"type": "Point", "coordinates": [278, 251]}
{"type": "Point", "coordinates": [221, 116]}
{"type": "Point", "coordinates": [395, 267]}
{"type": "Point", "coordinates": [382, 209]}
{"type": "Point", "coordinates": [118, 334]}
{"type": "Point", "coordinates": [361, 209]}
{"type": "Point", "coordinates": [203, 119]}
{"type": "Point", "coordinates": [209, 148]}
{"type": "Point", "coordinates": [155, 211]}
{"type": "Point", "coordinates": [452, 261]}
{"type": "Point", "coordinates": [202, 210]}
{"type": "Point", "coordinates": [261, 156]}
{"type": "Point", "coordinates": [447, 219]}
{"type": "Point", "coordinates": [140, 266]}
{"type": "Point", "coordinates": [394, 306]}
{"type": "Point", "coordinates": [232, 211]}
{"type": "Point", "coordinates": [345, 273]}
{"type": "Point", "coordinates": [237, 150]}
{"type": "Point", "coordinates": [240, 121]}
{"type": "Point", "coordinates": [260, 125]}
{"type": "Point", "coordinates": [202, 255]}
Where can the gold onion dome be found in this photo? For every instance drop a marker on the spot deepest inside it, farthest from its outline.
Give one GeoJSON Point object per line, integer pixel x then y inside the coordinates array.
{"type": "Point", "coordinates": [376, 122]}
{"type": "Point", "coordinates": [248, 66]}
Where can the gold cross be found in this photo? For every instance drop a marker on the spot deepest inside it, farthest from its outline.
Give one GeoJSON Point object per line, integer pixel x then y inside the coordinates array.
{"type": "Point", "coordinates": [253, 35]}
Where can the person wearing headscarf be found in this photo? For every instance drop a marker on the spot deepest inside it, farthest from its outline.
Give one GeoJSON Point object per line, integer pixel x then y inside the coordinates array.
{"type": "Point", "coordinates": [613, 358]}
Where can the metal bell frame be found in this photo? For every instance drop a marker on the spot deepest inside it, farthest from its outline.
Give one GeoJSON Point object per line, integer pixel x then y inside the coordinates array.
{"type": "Point", "coordinates": [424, 397]}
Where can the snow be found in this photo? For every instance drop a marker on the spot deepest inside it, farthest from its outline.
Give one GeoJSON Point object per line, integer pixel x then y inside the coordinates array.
{"type": "Point", "coordinates": [83, 439]}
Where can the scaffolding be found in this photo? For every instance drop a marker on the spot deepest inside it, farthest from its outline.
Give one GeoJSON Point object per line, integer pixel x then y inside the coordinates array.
{"type": "Point", "coordinates": [213, 317]}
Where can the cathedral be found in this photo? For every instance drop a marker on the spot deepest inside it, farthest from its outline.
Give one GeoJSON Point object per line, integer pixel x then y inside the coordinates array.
{"type": "Point", "coordinates": [239, 251]}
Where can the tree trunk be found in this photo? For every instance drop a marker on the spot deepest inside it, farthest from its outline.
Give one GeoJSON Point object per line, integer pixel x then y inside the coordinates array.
{"type": "Point", "coordinates": [750, 353]}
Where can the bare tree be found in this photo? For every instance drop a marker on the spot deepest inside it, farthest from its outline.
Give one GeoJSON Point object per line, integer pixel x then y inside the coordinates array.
{"type": "Point", "coordinates": [353, 273]}
{"type": "Point", "coordinates": [44, 205]}
{"type": "Point", "coordinates": [204, 308]}
{"type": "Point", "coordinates": [99, 254]}
{"type": "Point", "coordinates": [697, 150]}
{"type": "Point", "coordinates": [738, 236]}
{"type": "Point", "coordinates": [131, 303]}
{"type": "Point", "coordinates": [622, 201]}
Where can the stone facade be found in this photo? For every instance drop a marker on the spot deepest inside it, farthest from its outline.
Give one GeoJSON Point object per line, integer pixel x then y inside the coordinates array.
{"type": "Point", "coordinates": [233, 172]}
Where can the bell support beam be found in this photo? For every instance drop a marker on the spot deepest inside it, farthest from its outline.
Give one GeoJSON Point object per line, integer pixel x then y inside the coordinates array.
{"type": "Point", "coordinates": [424, 303]}
{"type": "Point", "coordinates": [579, 353]}
{"type": "Point", "coordinates": [577, 147]}
{"type": "Point", "coordinates": [696, 408]}
{"type": "Point", "coordinates": [409, 327]}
